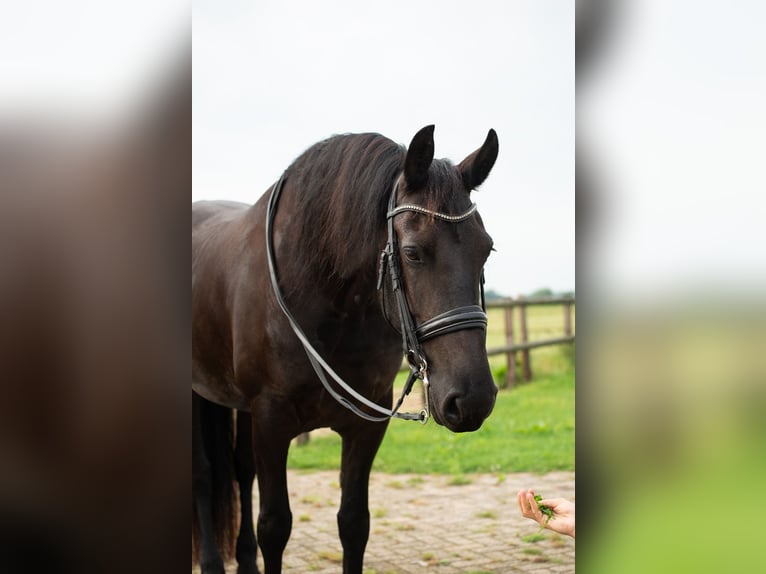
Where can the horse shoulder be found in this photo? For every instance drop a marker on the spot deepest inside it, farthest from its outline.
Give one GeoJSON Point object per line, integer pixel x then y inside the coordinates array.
{"type": "Point", "coordinates": [215, 262]}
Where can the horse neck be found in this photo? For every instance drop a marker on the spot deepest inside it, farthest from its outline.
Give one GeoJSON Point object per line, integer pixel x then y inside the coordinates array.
{"type": "Point", "coordinates": [324, 291]}
{"type": "Point", "coordinates": [339, 272]}
{"type": "Point", "coordinates": [327, 253]}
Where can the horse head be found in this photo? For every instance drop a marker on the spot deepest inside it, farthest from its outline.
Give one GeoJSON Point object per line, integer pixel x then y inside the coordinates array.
{"type": "Point", "coordinates": [441, 247]}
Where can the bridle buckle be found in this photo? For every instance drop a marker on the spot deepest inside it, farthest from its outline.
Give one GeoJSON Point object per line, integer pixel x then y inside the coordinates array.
{"type": "Point", "coordinates": [417, 362]}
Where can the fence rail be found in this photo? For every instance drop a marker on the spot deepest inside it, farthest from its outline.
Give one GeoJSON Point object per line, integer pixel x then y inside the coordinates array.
{"type": "Point", "coordinates": [526, 301]}
{"type": "Point", "coordinates": [529, 345]}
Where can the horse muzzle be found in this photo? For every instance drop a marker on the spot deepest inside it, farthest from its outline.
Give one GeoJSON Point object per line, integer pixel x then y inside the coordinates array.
{"type": "Point", "coordinates": [463, 407]}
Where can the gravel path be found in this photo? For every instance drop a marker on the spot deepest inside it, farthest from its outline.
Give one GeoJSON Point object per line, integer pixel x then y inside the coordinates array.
{"type": "Point", "coordinates": [424, 524]}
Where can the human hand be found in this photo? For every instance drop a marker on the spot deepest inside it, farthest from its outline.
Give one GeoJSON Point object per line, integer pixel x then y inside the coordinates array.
{"type": "Point", "coordinates": [563, 519]}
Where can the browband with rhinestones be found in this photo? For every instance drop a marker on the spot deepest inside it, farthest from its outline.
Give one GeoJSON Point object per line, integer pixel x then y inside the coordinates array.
{"type": "Point", "coordinates": [423, 210]}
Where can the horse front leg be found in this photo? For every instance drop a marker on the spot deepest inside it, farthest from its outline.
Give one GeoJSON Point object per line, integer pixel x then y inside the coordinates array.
{"type": "Point", "coordinates": [359, 448]}
{"type": "Point", "coordinates": [271, 441]}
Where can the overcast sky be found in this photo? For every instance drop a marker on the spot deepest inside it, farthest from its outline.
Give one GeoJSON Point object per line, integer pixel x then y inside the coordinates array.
{"type": "Point", "coordinates": [272, 78]}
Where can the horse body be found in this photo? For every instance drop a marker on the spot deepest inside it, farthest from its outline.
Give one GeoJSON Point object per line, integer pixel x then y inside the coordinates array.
{"type": "Point", "coordinates": [244, 351]}
{"type": "Point", "coordinates": [329, 230]}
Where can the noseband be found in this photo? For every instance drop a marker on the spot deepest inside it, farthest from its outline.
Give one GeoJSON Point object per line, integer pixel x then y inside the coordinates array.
{"type": "Point", "coordinates": [467, 317]}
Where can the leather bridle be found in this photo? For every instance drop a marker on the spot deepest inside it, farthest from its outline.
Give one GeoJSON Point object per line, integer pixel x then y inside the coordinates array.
{"type": "Point", "coordinates": [466, 317]}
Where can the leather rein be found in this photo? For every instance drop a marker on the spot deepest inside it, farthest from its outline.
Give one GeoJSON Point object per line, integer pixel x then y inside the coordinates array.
{"type": "Point", "coordinates": [466, 317]}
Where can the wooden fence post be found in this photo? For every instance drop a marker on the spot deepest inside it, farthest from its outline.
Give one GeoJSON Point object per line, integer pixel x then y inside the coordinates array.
{"type": "Point", "coordinates": [567, 319]}
{"type": "Point", "coordinates": [525, 362]}
{"type": "Point", "coordinates": [510, 375]}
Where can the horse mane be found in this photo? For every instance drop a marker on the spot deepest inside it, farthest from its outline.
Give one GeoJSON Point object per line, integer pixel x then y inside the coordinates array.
{"type": "Point", "coordinates": [343, 185]}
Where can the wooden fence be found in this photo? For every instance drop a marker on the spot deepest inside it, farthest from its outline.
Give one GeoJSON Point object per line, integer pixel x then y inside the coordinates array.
{"type": "Point", "coordinates": [523, 344]}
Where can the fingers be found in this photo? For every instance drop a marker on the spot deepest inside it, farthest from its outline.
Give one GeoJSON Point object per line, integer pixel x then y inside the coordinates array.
{"type": "Point", "coordinates": [521, 498]}
{"type": "Point", "coordinates": [528, 506]}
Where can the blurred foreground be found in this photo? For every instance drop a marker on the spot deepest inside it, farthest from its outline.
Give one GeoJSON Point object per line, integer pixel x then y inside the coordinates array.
{"type": "Point", "coordinates": [94, 346]}
{"type": "Point", "coordinates": [672, 330]}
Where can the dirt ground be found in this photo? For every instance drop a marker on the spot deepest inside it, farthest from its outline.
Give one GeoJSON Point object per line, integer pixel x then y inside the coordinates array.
{"type": "Point", "coordinates": [426, 524]}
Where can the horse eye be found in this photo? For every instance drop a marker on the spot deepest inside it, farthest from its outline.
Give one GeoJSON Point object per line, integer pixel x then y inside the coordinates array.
{"type": "Point", "coordinates": [411, 253]}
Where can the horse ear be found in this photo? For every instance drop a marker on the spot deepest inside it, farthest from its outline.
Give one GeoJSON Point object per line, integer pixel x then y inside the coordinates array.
{"type": "Point", "coordinates": [476, 167]}
{"type": "Point", "coordinates": [419, 157]}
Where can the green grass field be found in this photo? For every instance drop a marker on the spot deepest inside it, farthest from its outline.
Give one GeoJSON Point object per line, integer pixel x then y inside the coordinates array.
{"type": "Point", "coordinates": [531, 430]}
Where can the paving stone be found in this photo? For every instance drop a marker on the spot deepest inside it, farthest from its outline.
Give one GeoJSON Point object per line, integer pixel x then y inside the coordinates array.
{"type": "Point", "coordinates": [428, 526]}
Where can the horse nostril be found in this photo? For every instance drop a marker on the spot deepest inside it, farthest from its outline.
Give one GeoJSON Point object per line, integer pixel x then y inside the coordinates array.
{"type": "Point", "coordinates": [452, 410]}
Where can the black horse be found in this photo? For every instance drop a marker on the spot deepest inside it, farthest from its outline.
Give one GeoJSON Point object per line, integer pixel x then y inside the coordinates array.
{"type": "Point", "coordinates": [362, 251]}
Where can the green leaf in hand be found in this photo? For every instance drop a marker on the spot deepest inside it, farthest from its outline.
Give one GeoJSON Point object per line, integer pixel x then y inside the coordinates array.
{"type": "Point", "coordinates": [547, 510]}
